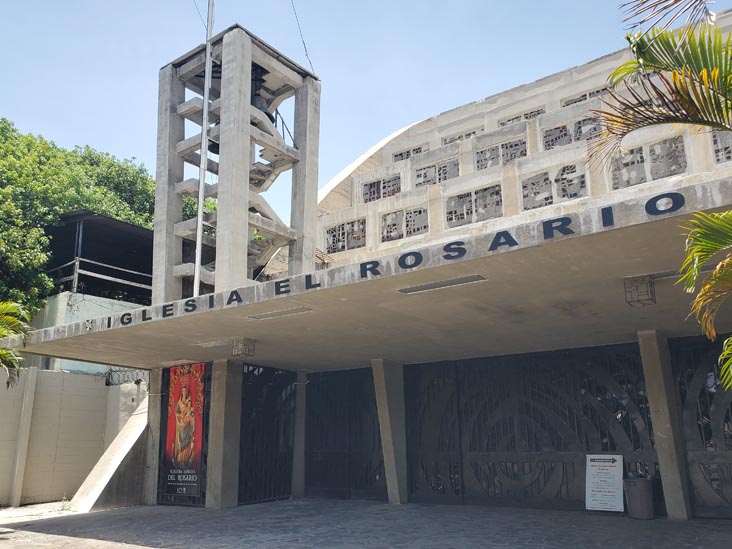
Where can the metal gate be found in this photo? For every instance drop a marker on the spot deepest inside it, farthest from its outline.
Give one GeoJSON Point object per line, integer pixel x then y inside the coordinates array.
{"type": "Point", "coordinates": [707, 424]}
{"type": "Point", "coordinates": [267, 421]}
{"type": "Point", "coordinates": [343, 443]}
{"type": "Point", "coordinates": [516, 430]}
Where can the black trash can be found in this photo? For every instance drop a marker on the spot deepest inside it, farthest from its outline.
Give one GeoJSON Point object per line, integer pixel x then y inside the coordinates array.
{"type": "Point", "coordinates": [639, 495]}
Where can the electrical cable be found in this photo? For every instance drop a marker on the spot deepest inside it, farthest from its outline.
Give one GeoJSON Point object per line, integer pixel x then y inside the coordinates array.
{"type": "Point", "coordinates": [297, 19]}
{"type": "Point", "coordinates": [199, 14]}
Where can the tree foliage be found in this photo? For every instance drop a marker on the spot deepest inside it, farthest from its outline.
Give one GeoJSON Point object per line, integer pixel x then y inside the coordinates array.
{"type": "Point", "coordinates": [13, 321]}
{"type": "Point", "coordinates": [39, 182]}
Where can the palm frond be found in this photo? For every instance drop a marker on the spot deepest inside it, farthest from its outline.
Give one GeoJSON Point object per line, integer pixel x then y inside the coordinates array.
{"type": "Point", "coordinates": [11, 362]}
{"type": "Point", "coordinates": [667, 51]}
{"type": "Point", "coordinates": [706, 236]}
{"type": "Point", "coordinates": [713, 292]}
{"type": "Point", "coordinates": [658, 100]}
{"type": "Point", "coordinates": [664, 13]}
{"type": "Point", "coordinates": [725, 364]}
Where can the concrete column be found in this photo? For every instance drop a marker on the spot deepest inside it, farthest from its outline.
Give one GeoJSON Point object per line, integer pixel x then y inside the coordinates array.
{"type": "Point", "coordinates": [152, 449]}
{"type": "Point", "coordinates": [232, 231]}
{"type": "Point", "coordinates": [167, 248]}
{"type": "Point", "coordinates": [389, 387]}
{"type": "Point", "coordinates": [304, 209]}
{"type": "Point", "coordinates": [298, 444]}
{"type": "Point", "coordinates": [224, 432]}
{"type": "Point", "coordinates": [21, 450]}
{"type": "Point", "coordinates": [665, 407]}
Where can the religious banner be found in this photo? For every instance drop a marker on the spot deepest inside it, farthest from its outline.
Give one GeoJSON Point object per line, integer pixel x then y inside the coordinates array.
{"type": "Point", "coordinates": [184, 436]}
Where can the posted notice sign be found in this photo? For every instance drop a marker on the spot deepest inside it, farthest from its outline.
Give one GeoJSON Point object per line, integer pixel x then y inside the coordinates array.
{"type": "Point", "coordinates": [604, 483]}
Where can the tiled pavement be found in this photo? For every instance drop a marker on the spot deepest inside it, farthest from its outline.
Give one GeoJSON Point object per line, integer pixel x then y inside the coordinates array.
{"type": "Point", "coordinates": [332, 523]}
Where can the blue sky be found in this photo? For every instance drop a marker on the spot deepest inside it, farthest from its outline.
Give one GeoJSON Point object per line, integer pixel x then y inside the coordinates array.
{"type": "Point", "coordinates": [86, 72]}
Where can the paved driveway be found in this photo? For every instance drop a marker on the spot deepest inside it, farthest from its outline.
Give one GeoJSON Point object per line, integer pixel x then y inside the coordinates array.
{"type": "Point", "coordinates": [331, 523]}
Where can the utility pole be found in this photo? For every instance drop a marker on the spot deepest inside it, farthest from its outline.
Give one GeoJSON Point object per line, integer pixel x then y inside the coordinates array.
{"type": "Point", "coordinates": [204, 153]}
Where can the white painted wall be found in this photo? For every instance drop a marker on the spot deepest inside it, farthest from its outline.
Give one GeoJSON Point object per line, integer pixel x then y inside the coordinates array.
{"type": "Point", "coordinates": [75, 416]}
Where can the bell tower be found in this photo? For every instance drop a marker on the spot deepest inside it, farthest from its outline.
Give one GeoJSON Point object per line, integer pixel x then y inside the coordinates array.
{"type": "Point", "coordinates": [249, 147]}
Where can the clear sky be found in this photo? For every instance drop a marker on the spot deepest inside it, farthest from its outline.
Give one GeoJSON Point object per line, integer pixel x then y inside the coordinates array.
{"type": "Point", "coordinates": [86, 72]}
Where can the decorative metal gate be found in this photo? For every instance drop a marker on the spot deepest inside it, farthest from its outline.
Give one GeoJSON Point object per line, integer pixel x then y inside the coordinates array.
{"type": "Point", "coordinates": [516, 430]}
{"type": "Point", "coordinates": [267, 421]}
{"type": "Point", "coordinates": [707, 424]}
{"type": "Point", "coordinates": [343, 443]}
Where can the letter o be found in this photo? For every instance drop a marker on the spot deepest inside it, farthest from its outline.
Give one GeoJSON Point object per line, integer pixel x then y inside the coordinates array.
{"type": "Point", "coordinates": [416, 260]}
{"type": "Point", "coordinates": [673, 201]}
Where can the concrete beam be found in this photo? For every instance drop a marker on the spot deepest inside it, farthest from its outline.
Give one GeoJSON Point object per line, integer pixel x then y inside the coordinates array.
{"type": "Point", "coordinates": [274, 142]}
{"type": "Point", "coordinates": [99, 477]}
{"type": "Point", "coordinates": [232, 235]}
{"type": "Point", "coordinates": [304, 209]}
{"type": "Point", "coordinates": [167, 248]}
{"type": "Point", "coordinates": [187, 270]}
{"type": "Point", "coordinates": [21, 449]}
{"type": "Point", "coordinates": [389, 387]}
{"type": "Point", "coordinates": [222, 481]}
{"type": "Point", "coordinates": [298, 444]}
{"type": "Point", "coordinates": [267, 61]}
{"type": "Point", "coordinates": [665, 407]}
{"type": "Point", "coordinates": [152, 448]}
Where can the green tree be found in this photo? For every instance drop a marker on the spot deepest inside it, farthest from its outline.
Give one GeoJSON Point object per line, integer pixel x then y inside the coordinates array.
{"type": "Point", "coordinates": [684, 78]}
{"type": "Point", "coordinates": [39, 181]}
{"type": "Point", "coordinates": [13, 321]}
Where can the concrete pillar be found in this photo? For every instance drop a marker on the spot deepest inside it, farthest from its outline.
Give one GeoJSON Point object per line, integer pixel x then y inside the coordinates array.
{"type": "Point", "coordinates": [21, 451]}
{"type": "Point", "coordinates": [152, 449]}
{"type": "Point", "coordinates": [224, 432]}
{"type": "Point", "coordinates": [298, 444]}
{"type": "Point", "coordinates": [167, 248]}
{"type": "Point", "coordinates": [665, 407]}
{"type": "Point", "coordinates": [232, 231]}
{"type": "Point", "coordinates": [304, 212]}
{"type": "Point", "coordinates": [389, 387]}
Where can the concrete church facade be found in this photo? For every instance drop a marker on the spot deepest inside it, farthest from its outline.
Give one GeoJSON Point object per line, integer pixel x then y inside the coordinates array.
{"type": "Point", "coordinates": [467, 312]}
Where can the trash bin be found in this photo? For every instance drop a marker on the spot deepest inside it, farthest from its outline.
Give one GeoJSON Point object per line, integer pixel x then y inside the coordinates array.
{"type": "Point", "coordinates": [639, 495]}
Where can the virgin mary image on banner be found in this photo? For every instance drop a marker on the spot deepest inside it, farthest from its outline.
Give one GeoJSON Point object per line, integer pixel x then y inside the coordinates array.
{"type": "Point", "coordinates": [184, 430]}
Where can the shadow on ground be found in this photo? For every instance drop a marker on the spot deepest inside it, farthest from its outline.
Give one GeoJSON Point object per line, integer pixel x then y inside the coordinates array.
{"type": "Point", "coordinates": [334, 523]}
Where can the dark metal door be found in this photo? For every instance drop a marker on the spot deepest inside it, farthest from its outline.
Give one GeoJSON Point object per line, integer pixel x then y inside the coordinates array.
{"type": "Point", "coordinates": [343, 443]}
{"type": "Point", "coordinates": [516, 430]}
{"type": "Point", "coordinates": [267, 421]}
{"type": "Point", "coordinates": [707, 424]}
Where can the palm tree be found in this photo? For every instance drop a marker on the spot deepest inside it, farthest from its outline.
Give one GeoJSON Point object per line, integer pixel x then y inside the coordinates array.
{"type": "Point", "coordinates": [684, 78]}
{"type": "Point", "coordinates": [13, 321]}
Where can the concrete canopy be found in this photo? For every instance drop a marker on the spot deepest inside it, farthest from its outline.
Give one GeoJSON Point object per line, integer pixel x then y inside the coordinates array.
{"type": "Point", "coordinates": [541, 295]}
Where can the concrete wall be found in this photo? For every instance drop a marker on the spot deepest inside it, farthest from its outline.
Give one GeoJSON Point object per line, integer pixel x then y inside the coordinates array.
{"type": "Point", "coordinates": [68, 307]}
{"type": "Point", "coordinates": [70, 426]}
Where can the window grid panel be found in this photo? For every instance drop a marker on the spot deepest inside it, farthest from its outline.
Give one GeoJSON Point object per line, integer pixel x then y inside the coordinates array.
{"type": "Point", "coordinates": [425, 176]}
{"type": "Point", "coordinates": [459, 210]}
{"type": "Point", "coordinates": [587, 128]}
{"type": "Point", "coordinates": [628, 169]}
{"type": "Point", "coordinates": [488, 203]}
{"type": "Point", "coordinates": [448, 169]}
{"type": "Point", "coordinates": [487, 158]}
{"type": "Point", "coordinates": [356, 234]}
{"type": "Point", "coordinates": [512, 150]}
{"type": "Point", "coordinates": [392, 226]}
{"type": "Point", "coordinates": [391, 186]}
{"type": "Point", "coordinates": [722, 143]}
{"type": "Point", "coordinates": [667, 157]}
{"type": "Point", "coordinates": [537, 191]}
{"type": "Point", "coordinates": [372, 191]}
{"type": "Point", "coordinates": [556, 137]}
{"type": "Point", "coordinates": [416, 221]}
{"type": "Point", "coordinates": [570, 183]}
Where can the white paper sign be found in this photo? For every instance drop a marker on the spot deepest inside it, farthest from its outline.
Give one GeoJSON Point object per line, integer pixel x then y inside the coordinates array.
{"type": "Point", "coordinates": [604, 483]}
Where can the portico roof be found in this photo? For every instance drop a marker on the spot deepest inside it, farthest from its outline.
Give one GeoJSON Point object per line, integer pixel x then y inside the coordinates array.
{"type": "Point", "coordinates": [548, 291]}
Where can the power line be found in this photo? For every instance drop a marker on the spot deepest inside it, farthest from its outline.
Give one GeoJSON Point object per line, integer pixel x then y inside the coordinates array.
{"type": "Point", "coordinates": [200, 16]}
{"type": "Point", "coordinates": [297, 19]}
